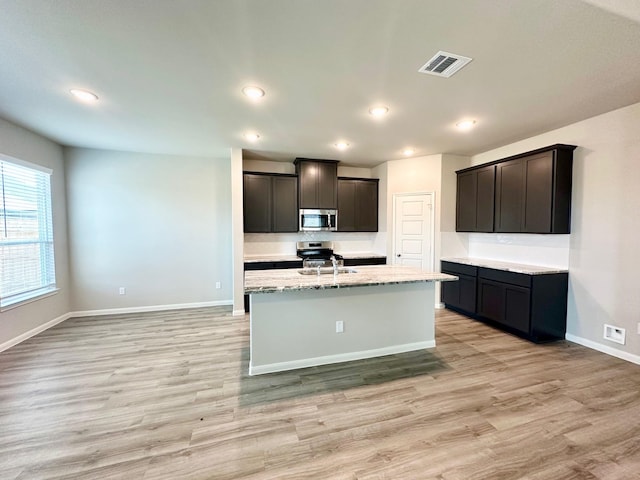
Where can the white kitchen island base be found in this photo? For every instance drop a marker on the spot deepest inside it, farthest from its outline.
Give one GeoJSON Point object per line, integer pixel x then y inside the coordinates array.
{"type": "Point", "coordinates": [297, 329]}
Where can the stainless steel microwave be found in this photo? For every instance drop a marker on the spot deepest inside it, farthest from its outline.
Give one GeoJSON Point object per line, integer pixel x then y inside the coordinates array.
{"type": "Point", "coordinates": [314, 220]}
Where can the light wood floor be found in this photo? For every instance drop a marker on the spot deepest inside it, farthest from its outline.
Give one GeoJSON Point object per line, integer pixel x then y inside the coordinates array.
{"type": "Point", "coordinates": [166, 396]}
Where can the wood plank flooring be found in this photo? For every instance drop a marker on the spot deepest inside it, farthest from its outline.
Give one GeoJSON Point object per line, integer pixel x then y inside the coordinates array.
{"type": "Point", "coordinates": [166, 395]}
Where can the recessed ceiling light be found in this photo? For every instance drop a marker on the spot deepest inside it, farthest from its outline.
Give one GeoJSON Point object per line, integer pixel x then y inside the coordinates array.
{"type": "Point", "coordinates": [341, 145]}
{"type": "Point", "coordinates": [251, 136]}
{"type": "Point", "coordinates": [84, 95]}
{"type": "Point", "coordinates": [379, 111]}
{"type": "Point", "coordinates": [253, 92]}
{"type": "Point", "coordinates": [466, 124]}
{"type": "Point", "coordinates": [408, 151]}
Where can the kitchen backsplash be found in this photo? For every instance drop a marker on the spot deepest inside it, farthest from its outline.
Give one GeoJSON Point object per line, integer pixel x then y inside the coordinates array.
{"type": "Point", "coordinates": [543, 250]}
{"type": "Point", "coordinates": [285, 243]}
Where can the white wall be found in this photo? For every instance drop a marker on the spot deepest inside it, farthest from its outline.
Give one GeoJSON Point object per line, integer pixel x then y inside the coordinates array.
{"type": "Point", "coordinates": [381, 172]}
{"type": "Point", "coordinates": [602, 250]}
{"type": "Point", "coordinates": [237, 229]}
{"type": "Point", "coordinates": [158, 225]}
{"type": "Point", "coordinates": [268, 244]}
{"type": "Point", "coordinates": [20, 143]}
{"type": "Point", "coordinates": [414, 175]}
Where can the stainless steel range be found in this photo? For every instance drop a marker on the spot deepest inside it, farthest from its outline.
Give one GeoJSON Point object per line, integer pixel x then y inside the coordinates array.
{"type": "Point", "coordinates": [318, 254]}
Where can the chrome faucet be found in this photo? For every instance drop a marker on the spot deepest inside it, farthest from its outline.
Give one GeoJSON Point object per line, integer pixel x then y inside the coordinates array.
{"type": "Point", "coordinates": [334, 261]}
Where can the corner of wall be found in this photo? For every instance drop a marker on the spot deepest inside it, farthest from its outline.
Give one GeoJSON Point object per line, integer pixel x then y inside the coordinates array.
{"type": "Point", "coordinates": [237, 237]}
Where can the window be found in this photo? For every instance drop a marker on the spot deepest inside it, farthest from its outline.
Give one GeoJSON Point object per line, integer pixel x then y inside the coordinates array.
{"type": "Point", "coordinates": [27, 267]}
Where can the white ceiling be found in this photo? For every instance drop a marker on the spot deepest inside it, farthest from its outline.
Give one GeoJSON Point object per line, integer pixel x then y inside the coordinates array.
{"type": "Point", "coordinates": [169, 72]}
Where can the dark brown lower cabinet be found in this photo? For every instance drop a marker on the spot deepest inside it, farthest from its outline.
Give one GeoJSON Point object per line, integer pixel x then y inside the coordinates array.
{"type": "Point", "coordinates": [460, 295]}
{"type": "Point", "coordinates": [354, 262]}
{"type": "Point", "coordinates": [505, 304]}
{"type": "Point", "coordinates": [531, 306]}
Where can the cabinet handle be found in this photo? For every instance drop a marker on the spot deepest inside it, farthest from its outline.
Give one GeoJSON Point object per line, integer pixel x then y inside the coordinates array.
{"type": "Point", "coordinates": [398, 255]}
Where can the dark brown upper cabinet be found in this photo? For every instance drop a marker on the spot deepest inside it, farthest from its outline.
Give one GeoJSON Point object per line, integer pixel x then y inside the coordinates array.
{"type": "Point", "coordinates": [357, 205]}
{"type": "Point", "coordinates": [270, 203]}
{"type": "Point", "coordinates": [318, 183]}
{"type": "Point", "coordinates": [532, 193]}
{"type": "Point", "coordinates": [475, 200]}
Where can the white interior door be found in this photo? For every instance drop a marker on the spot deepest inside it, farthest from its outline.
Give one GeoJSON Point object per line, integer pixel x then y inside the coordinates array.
{"type": "Point", "coordinates": [413, 230]}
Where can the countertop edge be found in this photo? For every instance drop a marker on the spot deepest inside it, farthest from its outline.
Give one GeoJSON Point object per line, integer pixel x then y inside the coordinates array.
{"type": "Point", "coordinates": [269, 289]}
{"type": "Point", "coordinates": [283, 280]}
{"type": "Point", "coordinates": [295, 258]}
{"type": "Point", "coordinates": [524, 269]}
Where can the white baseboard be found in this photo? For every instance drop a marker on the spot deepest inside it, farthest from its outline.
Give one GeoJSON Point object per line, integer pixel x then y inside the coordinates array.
{"type": "Point", "coordinates": [34, 331]}
{"type": "Point", "coordinates": [629, 357]}
{"type": "Point", "coordinates": [107, 311]}
{"type": "Point", "coordinates": [439, 305]}
{"type": "Point", "coordinates": [339, 358]}
{"type": "Point", "coordinates": [237, 313]}
{"type": "Point", "coordinates": [149, 308]}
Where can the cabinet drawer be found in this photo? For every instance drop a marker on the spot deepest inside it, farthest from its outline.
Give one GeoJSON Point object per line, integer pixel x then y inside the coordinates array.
{"type": "Point", "coordinates": [455, 268]}
{"type": "Point", "coordinates": [519, 279]}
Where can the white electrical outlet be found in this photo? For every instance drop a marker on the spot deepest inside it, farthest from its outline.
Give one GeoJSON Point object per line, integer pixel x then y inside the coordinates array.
{"type": "Point", "coordinates": [122, 291]}
{"type": "Point", "coordinates": [339, 326]}
{"type": "Point", "coordinates": [614, 334]}
{"type": "Point", "coordinates": [217, 284]}
{"type": "Point", "coordinates": [638, 328]}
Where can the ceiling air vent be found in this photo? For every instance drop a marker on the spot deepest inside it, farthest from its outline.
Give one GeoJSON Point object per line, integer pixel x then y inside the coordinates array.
{"type": "Point", "coordinates": [444, 64]}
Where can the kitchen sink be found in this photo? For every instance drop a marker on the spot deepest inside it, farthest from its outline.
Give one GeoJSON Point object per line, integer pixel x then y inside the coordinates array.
{"type": "Point", "coordinates": [326, 271]}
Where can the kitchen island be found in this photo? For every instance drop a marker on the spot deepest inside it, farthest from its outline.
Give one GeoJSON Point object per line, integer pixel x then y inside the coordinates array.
{"type": "Point", "coordinates": [381, 310]}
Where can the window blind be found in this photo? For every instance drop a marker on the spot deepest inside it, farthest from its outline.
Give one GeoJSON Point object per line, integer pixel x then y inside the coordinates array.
{"type": "Point", "coordinates": [27, 267]}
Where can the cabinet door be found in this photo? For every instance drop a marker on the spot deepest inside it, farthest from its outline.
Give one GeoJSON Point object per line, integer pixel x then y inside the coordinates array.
{"type": "Point", "coordinates": [450, 292]}
{"type": "Point", "coordinates": [460, 294]}
{"type": "Point", "coordinates": [510, 196]}
{"type": "Point", "coordinates": [366, 206]}
{"type": "Point", "coordinates": [538, 193]}
{"type": "Point", "coordinates": [468, 288]}
{"type": "Point", "coordinates": [491, 300]}
{"type": "Point", "coordinates": [346, 205]}
{"type": "Point", "coordinates": [485, 199]}
{"type": "Point", "coordinates": [466, 193]}
{"type": "Point", "coordinates": [257, 203]}
{"type": "Point", "coordinates": [308, 182]}
{"type": "Point", "coordinates": [562, 176]}
{"type": "Point", "coordinates": [285, 204]}
{"type": "Point", "coordinates": [357, 205]}
{"type": "Point", "coordinates": [475, 200]}
{"type": "Point", "coordinates": [327, 186]}
{"type": "Point", "coordinates": [516, 307]}
{"type": "Point", "coordinates": [504, 303]}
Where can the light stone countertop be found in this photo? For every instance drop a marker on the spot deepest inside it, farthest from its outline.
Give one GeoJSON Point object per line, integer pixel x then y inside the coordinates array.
{"type": "Point", "coordinates": [273, 281]}
{"type": "Point", "coordinates": [506, 266]}
{"type": "Point", "coordinates": [288, 258]}
{"type": "Point", "coordinates": [362, 255]}
{"type": "Point", "coordinates": [271, 258]}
